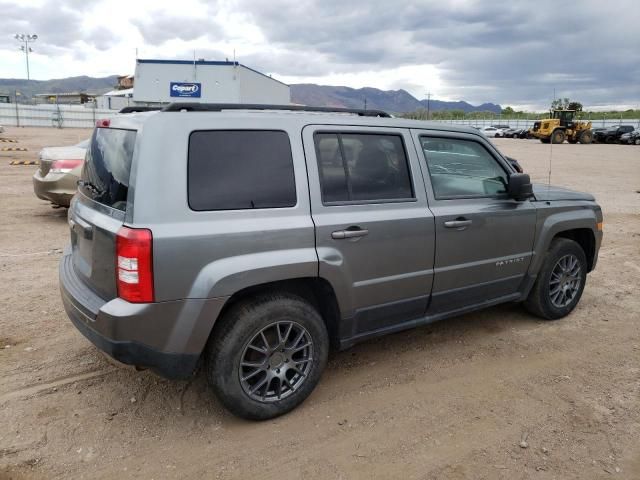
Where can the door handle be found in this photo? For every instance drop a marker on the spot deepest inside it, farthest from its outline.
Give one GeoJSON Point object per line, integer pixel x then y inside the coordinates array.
{"type": "Point", "coordinates": [342, 234]}
{"type": "Point", "coordinates": [458, 223]}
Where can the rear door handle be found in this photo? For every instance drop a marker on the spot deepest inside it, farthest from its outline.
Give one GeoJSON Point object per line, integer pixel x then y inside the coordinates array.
{"type": "Point", "coordinates": [342, 234]}
{"type": "Point", "coordinates": [459, 224]}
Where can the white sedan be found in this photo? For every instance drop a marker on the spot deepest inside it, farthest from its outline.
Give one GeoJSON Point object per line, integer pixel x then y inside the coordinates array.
{"type": "Point", "coordinates": [490, 131]}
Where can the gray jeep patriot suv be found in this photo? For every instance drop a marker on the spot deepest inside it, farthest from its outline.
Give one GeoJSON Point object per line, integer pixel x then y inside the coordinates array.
{"type": "Point", "coordinates": [249, 239]}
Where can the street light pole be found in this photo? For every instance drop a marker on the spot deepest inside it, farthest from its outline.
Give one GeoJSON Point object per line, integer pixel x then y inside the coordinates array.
{"type": "Point", "coordinates": [25, 39]}
{"type": "Point", "coordinates": [428, 105]}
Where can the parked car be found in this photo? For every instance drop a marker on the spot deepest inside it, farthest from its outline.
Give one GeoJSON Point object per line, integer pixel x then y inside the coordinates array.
{"type": "Point", "coordinates": [612, 134]}
{"type": "Point", "coordinates": [511, 133]}
{"type": "Point", "coordinates": [524, 133]}
{"type": "Point", "coordinates": [631, 138]}
{"type": "Point", "coordinates": [489, 131]}
{"type": "Point", "coordinates": [57, 176]}
{"type": "Point", "coordinates": [249, 242]}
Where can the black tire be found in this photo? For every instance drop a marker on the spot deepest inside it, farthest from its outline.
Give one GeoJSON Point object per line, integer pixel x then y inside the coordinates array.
{"type": "Point", "coordinates": [586, 137]}
{"type": "Point", "coordinates": [558, 136]}
{"type": "Point", "coordinates": [229, 345]}
{"type": "Point", "coordinates": [610, 139]}
{"type": "Point", "coordinates": [540, 302]}
{"type": "Point", "coordinates": [545, 140]}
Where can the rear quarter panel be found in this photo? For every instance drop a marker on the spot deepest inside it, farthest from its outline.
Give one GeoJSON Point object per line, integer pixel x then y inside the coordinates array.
{"type": "Point", "coordinates": [207, 254]}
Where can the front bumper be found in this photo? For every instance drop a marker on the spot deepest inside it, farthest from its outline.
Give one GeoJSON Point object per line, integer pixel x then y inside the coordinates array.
{"type": "Point", "coordinates": [166, 337]}
{"type": "Point", "coordinates": [57, 188]}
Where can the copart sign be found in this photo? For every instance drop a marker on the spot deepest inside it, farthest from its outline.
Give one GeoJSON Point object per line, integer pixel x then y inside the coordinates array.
{"type": "Point", "coordinates": [191, 90]}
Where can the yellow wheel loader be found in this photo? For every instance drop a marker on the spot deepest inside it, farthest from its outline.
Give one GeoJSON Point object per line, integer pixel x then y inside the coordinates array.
{"type": "Point", "coordinates": [562, 126]}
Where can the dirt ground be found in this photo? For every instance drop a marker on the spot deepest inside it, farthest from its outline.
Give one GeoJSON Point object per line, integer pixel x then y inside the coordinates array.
{"type": "Point", "coordinates": [497, 394]}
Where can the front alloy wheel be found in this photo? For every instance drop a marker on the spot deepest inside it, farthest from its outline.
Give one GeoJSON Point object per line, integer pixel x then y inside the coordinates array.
{"type": "Point", "coordinates": [565, 281]}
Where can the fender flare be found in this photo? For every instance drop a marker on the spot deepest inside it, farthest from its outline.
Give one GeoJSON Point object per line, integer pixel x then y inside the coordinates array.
{"type": "Point", "coordinates": [555, 224]}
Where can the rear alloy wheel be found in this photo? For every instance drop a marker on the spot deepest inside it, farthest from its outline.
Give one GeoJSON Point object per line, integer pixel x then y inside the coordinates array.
{"type": "Point", "coordinates": [586, 137]}
{"type": "Point", "coordinates": [558, 136]}
{"type": "Point", "coordinates": [637, 141]}
{"type": "Point", "coordinates": [266, 355]}
{"type": "Point", "coordinates": [276, 361]}
{"type": "Point", "coordinates": [560, 281]}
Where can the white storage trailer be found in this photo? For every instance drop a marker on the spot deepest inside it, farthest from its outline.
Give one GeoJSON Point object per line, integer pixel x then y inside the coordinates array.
{"type": "Point", "coordinates": [165, 81]}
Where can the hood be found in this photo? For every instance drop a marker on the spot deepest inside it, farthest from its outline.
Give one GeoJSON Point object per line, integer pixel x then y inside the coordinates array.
{"type": "Point", "coordinates": [549, 193]}
{"type": "Point", "coordinates": [62, 153]}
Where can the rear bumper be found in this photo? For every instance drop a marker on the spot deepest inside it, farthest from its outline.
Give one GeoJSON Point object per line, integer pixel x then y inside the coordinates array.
{"type": "Point", "coordinates": [57, 188]}
{"type": "Point", "coordinates": [166, 337]}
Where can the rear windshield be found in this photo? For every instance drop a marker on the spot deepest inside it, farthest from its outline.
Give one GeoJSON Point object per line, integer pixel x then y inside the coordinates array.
{"type": "Point", "coordinates": [105, 175]}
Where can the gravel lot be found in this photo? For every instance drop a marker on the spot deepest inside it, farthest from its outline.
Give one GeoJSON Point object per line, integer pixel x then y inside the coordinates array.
{"type": "Point", "coordinates": [460, 399]}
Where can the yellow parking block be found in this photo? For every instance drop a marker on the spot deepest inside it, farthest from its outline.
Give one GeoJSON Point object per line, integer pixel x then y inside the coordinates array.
{"type": "Point", "coordinates": [8, 140]}
{"type": "Point", "coordinates": [13, 149]}
{"type": "Point", "coordinates": [24, 162]}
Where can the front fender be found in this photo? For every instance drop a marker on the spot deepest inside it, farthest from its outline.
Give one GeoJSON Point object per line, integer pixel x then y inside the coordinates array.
{"type": "Point", "coordinates": [551, 224]}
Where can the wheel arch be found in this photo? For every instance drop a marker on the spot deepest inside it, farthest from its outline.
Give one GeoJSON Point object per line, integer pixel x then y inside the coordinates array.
{"type": "Point", "coordinates": [577, 225]}
{"type": "Point", "coordinates": [315, 290]}
{"type": "Point", "coordinates": [583, 237]}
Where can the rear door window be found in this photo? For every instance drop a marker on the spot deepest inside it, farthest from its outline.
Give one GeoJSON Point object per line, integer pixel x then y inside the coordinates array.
{"type": "Point", "coordinates": [362, 168]}
{"type": "Point", "coordinates": [107, 166]}
{"type": "Point", "coordinates": [240, 169]}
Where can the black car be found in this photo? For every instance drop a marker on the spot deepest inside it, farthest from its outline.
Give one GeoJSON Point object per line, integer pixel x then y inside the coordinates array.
{"type": "Point", "coordinates": [611, 134]}
{"type": "Point", "coordinates": [631, 138]}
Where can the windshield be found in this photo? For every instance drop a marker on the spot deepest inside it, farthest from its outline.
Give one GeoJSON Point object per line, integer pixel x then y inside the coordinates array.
{"type": "Point", "coordinates": [105, 175]}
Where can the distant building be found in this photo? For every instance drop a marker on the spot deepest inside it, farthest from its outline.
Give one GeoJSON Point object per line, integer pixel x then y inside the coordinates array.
{"type": "Point", "coordinates": [125, 82]}
{"type": "Point", "coordinates": [72, 98]}
{"type": "Point", "coordinates": [115, 99]}
{"type": "Point", "coordinates": [165, 81]}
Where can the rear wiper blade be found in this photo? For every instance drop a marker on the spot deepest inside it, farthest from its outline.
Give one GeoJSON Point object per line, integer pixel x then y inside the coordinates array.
{"type": "Point", "coordinates": [90, 186]}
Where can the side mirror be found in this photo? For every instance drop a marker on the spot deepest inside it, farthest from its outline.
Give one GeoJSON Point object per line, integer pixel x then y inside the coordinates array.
{"type": "Point", "coordinates": [515, 164]}
{"type": "Point", "coordinates": [519, 187]}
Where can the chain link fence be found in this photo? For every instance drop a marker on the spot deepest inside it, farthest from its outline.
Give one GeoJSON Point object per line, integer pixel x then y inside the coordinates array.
{"type": "Point", "coordinates": [79, 116]}
{"type": "Point", "coordinates": [58, 116]}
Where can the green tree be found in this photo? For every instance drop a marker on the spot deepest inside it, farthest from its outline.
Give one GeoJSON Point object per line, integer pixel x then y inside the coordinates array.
{"type": "Point", "coordinates": [508, 111]}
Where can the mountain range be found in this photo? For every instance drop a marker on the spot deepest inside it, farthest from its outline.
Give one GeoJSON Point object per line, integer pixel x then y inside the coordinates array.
{"type": "Point", "coordinates": [396, 101]}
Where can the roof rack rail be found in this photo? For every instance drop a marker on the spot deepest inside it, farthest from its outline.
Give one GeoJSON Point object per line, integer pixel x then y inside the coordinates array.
{"type": "Point", "coordinates": [139, 109]}
{"type": "Point", "coordinates": [218, 107]}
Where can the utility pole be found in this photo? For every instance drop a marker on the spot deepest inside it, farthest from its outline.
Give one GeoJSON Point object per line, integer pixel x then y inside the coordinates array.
{"type": "Point", "coordinates": [428, 94]}
{"type": "Point", "coordinates": [365, 103]}
{"type": "Point", "coordinates": [25, 39]}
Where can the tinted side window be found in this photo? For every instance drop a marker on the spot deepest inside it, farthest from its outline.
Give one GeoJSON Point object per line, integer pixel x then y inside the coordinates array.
{"type": "Point", "coordinates": [362, 167]}
{"type": "Point", "coordinates": [240, 169]}
{"type": "Point", "coordinates": [460, 168]}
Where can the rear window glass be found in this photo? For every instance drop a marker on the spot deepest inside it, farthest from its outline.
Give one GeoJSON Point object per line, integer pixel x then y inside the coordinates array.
{"type": "Point", "coordinates": [107, 167]}
{"type": "Point", "coordinates": [240, 169]}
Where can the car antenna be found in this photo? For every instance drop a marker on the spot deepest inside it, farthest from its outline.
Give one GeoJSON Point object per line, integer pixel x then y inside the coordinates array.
{"type": "Point", "coordinates": [550, 150]}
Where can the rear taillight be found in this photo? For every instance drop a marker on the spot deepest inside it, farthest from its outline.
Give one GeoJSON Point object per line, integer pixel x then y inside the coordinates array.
{"type": "Point", "coordinates": [134, 267]}
{"type": "Point", "coordinates": [64, 166]}
{"type": "Point", "coordinates": [103, 122]}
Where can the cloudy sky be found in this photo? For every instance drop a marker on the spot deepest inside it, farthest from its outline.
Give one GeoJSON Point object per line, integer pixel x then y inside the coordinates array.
{"type": "Point", "coordinates": [510, 52]}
